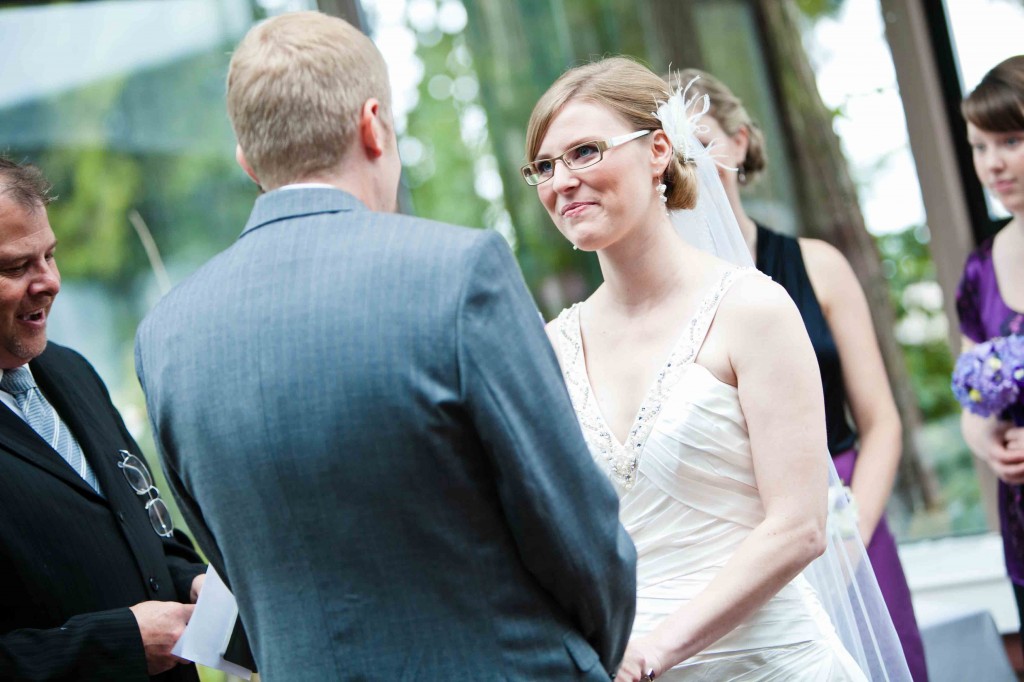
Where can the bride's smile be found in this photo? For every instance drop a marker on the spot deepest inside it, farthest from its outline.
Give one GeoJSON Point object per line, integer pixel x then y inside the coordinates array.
{"type": "Point", "coordinates": [576, 209]}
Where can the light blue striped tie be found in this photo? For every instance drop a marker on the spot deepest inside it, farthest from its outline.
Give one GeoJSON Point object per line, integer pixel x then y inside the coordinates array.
{"type": "Point", "coordinates": [41, 416]}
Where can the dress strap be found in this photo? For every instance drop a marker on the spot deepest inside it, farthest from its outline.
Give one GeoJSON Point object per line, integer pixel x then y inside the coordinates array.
{"type": "Point", "coordinates": [701, 322]}
{"type": "Point", "coordinates": [570, 353]}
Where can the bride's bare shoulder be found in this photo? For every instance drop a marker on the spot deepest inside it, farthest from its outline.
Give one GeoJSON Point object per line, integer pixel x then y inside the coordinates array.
{"type": "Point", "coordinates": [751, 287]}
{"type": "Point", "coordinates": [755, 303]}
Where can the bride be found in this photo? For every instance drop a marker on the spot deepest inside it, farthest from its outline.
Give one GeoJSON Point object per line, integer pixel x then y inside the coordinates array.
{"type": "Point", "coordinates": [698, 393]}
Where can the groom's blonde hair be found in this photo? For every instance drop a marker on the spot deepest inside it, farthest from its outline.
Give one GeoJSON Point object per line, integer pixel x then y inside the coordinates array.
{"type": "Point", "coordinates": [296, 86]}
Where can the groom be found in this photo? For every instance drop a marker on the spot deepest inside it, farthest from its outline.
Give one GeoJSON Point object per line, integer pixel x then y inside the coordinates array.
{"type": "Point", "coordinates": [361, 416]}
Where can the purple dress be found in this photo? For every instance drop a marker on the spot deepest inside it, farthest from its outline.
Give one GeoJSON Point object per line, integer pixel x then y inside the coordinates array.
{"type": "Point", "coordinates": [779, 256]}
{"type": "Point", "coordinates": [985, 315]}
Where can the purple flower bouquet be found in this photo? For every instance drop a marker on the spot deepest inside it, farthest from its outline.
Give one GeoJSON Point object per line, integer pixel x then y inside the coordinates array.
{"type": "Point", "coordinates": [989, 381]}
{"type": "Point", "coordinates": [989, 378]}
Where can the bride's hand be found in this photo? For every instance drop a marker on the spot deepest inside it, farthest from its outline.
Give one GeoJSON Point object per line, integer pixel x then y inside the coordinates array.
{"type": "Point", "coordinates": [640, 663]}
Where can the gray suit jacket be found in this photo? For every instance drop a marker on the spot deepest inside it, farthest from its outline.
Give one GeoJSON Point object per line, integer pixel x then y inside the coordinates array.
{"type": "Point", "coordinates": [367, 431]}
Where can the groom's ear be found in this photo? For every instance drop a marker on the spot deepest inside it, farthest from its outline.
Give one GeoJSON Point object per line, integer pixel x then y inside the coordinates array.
{"type": "Point", "coordinates": [373, 132]}
{"type": "Point", "coordinates": [244, 163]}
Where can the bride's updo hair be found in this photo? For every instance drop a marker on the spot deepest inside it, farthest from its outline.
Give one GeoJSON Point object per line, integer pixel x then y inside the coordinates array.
{"type": "Point", "coordinates": [728, 110]}
{"type": "Point", "coordinates": [633, 92]}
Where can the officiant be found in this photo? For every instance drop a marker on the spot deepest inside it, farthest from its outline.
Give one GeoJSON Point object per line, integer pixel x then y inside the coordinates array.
{"type": "Point", "coordinates": [97, 584]}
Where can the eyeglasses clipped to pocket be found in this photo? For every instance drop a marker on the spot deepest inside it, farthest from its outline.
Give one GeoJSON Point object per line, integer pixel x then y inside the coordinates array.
{"type": "Point", "coordinates": [141, 481]}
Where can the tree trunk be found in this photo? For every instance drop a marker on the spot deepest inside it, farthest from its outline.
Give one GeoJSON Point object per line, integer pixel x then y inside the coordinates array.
{"type": "Point", "coordinates": [828, 207]}
{"type": "Point", "coordinates": [675, 39]}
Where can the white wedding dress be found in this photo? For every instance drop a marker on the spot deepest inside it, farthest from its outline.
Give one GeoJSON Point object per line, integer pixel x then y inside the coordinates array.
{"type": "Point", "coordinates": [688, 498]}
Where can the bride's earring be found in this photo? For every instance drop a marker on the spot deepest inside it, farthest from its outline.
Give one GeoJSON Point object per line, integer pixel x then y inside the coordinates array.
{"type": "Point", "coordinates": [660, 189]}
{"type": "Point", "coordinates": [575, 248]}
{"type": "Point", "coordinates": [741, 175]}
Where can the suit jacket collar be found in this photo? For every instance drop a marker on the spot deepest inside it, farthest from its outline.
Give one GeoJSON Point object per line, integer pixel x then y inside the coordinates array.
{"type": "Point", "coordinates": [285, 204]}
{"type": "Point", "coordinates": [73, 407]}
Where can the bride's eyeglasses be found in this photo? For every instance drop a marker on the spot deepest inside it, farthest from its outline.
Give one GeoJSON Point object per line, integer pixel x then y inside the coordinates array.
{"type": "Point", "coordinates": [580, 156]}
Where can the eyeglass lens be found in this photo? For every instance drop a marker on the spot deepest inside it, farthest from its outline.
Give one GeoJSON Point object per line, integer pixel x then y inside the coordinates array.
{"type": "Point", "coordinates": [160, 517]}
{"type": "Point", "coordinates": [136, 473]}
{"type": "Point", "coordinates": [580, 156]}
{"type": "Point", "coordinates": [583, 155]}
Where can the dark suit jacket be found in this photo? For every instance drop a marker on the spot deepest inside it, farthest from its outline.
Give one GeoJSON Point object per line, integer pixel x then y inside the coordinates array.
{"type": "Point", "coordinates": [71, 561]}
{"type": "Point", "coordinates": [368, 431]}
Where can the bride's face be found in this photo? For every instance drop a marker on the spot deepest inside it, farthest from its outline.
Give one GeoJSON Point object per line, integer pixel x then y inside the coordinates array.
{"type": "Point", "coordinates": [594, 206]}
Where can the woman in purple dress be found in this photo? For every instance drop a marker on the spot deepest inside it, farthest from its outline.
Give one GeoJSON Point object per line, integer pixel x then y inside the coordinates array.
{"type": "Point", "coordinates": [990, 299]}
{"type": "Point", "coordinates": [835, 311]}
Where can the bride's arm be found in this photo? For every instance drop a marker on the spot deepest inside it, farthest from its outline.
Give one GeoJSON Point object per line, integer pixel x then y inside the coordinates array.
{"type": "Point", "coordinates": [780, 393]}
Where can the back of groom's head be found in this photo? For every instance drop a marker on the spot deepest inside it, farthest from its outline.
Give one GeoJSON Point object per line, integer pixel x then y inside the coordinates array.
{"type": "Point", "coordinates": [296, 87]}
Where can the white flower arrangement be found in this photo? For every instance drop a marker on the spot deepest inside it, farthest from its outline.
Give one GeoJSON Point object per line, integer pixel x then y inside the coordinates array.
{"type": "Point", "coordinates": [680, 118]}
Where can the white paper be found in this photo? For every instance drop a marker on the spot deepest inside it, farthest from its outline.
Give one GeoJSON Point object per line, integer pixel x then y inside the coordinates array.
{"type": "Point", "coordinates": [206, 636]}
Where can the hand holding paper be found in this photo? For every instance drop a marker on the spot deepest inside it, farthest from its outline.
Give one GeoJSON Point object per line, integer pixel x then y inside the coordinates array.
{"type": "Point", "coordinates": [206, 637]}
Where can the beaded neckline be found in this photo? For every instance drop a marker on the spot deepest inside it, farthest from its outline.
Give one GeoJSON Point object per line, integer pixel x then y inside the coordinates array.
{"type": "Point", "coordinates": [622, 460]}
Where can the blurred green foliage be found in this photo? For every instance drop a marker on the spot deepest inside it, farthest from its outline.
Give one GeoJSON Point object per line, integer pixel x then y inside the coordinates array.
{"type": "Point", "coordinates": [915, 295]}
{"type": "Point", "coordinates": [816, 9]}
{"type": "Point", "coordinates": [907, 262]}
{"type": "Point", "coordinates": [442, 181]}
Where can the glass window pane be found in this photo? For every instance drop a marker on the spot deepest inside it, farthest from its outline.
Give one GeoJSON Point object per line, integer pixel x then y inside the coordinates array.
{"type": "Point", "coordinates": [121, 104]}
